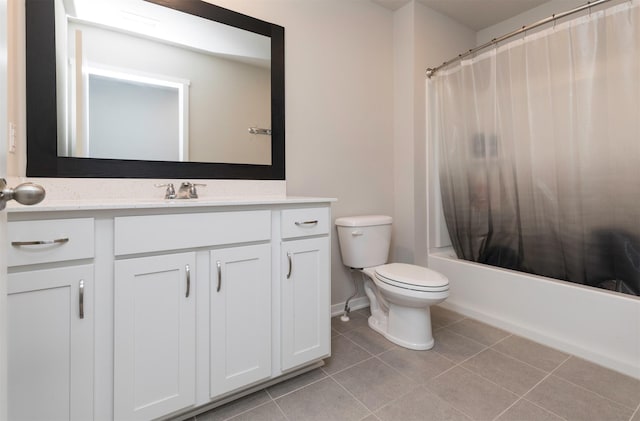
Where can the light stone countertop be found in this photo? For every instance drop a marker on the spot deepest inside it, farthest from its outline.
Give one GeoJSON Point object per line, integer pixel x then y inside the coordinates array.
{"type": "Point", "coordinates": [114, 204]}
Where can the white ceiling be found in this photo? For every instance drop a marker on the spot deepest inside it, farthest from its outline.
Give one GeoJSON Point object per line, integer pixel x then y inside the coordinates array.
{"type": "Point", "coordinates": [475, 14]}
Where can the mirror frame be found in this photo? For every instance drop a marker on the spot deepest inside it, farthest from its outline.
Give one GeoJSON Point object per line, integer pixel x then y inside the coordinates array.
{"type": "Point", "coordinates": [42, 155]}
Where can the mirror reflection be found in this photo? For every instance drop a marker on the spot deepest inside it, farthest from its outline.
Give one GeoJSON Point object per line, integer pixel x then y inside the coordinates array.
{"type": "Point", "coordinates": [136, 80]}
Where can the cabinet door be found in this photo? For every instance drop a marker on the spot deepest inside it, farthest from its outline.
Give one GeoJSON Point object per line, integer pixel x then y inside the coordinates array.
{"type": "Point", "coordinates": [305, 287]}
{"type": "Point", "coordinates": [50, 344]}
{"type": "Point", "coordinates": [154, 336]}
{"type": "Point", "coordinates": [240, 335]}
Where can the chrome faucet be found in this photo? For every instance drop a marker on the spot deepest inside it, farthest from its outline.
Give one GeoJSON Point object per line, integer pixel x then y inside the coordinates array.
{"type": "Point", "coordinates": [170, 193]}
{"type": "Point", "coordinates": [188, 190]}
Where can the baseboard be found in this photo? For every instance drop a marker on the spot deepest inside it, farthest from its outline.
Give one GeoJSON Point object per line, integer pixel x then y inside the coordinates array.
{"type": "Point", "coordinates": [354, 304]}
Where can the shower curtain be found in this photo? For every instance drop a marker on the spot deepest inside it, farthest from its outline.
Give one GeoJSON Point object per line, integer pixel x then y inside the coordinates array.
{"type": "Point", "coordinates": [539, 151]}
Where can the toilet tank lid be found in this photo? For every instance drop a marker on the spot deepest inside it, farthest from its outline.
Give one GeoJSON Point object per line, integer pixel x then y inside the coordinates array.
{"type": "Point", "coordinates": [363, 220]}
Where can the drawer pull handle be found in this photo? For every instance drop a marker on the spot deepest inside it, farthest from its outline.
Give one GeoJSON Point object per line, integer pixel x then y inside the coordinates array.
{"type": "Point", "coordinates": [188, 270]}
{"type": "Point", "coordinates": [81, 299]}
{"type": "Point", "coordinates": [289, 256]}
{"type": "Point", "coordinates": [301, 224]}
{"type": "Point", "coordinates": [219, 266]}
{"type": "Point", "coordinates": [39, 242]}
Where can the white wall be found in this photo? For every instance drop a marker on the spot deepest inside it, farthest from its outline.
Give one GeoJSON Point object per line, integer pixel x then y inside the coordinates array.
{"type": "Point", "coordinates": [16, 94]}
{"type": "Point", "coordinates": [422, 38]}
{"type": "Point", "coordinates": [534, 15]}
{"type": "Point", "coordinates": [404, 40]}
{"type": "Point", "coordinates": [339, 105]}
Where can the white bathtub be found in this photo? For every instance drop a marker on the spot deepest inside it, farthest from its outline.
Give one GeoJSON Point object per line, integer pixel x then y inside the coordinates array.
{"type": "Point", "coordinates": [597, 325]}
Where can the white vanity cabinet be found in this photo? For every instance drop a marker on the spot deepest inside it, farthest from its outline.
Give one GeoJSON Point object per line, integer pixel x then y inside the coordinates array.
{"type": "Point", "coordinates": [159, 311]}
{"type": "Point", "coordinates": [50, 320]}
{"type": "Point", "coordinates": [154, 336]}
{"type": "Point", "coordinates": [305, 286]}
{"type": "Point", "coordinates": [240, 317]}
{"type": "Point", "coordinates": [155, 319]}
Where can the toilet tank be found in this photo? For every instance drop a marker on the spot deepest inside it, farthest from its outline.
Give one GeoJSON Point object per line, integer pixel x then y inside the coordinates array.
{"type": "Point", "coordinates": [364, 240]}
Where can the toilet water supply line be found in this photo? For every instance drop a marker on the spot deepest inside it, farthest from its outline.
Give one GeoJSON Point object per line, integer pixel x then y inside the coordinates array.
{"type": "Point", "coordinates": [347, 309]}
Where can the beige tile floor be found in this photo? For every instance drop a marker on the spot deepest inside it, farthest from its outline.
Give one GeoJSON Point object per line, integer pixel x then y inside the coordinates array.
{"type": "Point", "coordinates": [474, 372]}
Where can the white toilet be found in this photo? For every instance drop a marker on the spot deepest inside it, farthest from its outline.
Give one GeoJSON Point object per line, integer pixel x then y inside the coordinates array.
{"type": "Point", "coordinates": [400, 294]}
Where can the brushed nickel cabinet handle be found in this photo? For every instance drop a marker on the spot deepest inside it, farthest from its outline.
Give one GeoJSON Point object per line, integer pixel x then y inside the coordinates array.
{"type": "Point", "coordinates": [314, 222]}
{"type": "Point", "coordinates": [188, 271]}
{"type": "Point", "coordinates": [81, 299]}
{"type": "Point", "coordinates": [219, 266]}
{"type": "Point", "coordinates": [289, 256]}
{"type": "Point", "coordinates": [39, 242]}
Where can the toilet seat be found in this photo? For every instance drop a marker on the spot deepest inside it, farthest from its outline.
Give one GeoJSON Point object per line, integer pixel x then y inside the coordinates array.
{"type": "Point", "coordinates": [411, 277]}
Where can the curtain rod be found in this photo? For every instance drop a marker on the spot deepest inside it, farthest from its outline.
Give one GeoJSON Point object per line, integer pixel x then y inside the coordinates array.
{"type": "Point", "coordinates": [432, 70]}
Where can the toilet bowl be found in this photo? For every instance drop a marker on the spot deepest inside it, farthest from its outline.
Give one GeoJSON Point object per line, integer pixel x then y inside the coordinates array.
{"type": "Point", "coordinates": [400, 294]}
{"type": "Point", "coordinates": [406, 292]}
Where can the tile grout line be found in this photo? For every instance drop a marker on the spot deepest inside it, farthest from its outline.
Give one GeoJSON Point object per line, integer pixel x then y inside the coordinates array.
{"type": "Point", "coordinates": [533, 387]}
{"type": "Point", "coordinates": [415, 383]}
{"type": "Point", "coordinates": [377, 335]}
{"type": "Point", "coordinates": [596, 393]}
{"type": "Point", "coordinates": [370, 412]}
{"type": "Point", "coordinates": [485, 347]}
{"type": "Point", "coordinates": [543, 408]}
{"type": "Point", "coordinates": [395, 369]}
{"type": "Point", "coordinates": [402, 395]}
{"type": "Point", "coordinates": [376, 356]}
{"type": "Point", "coordinates": [503, 339]}
{"type": "Point", "coordinates": [370, 415]}
{"type": "Point", "coordinates": [442, 326]}
{"type": "Point", "coordinates": [492, 382]}
{"type": "Point", "coordinates": [637, 411]}
{"type": "Point", "coordinates": [247, 410]}
{"type": "Point", "coordinates": [459, 364]}
{"type": "Point", "coordinates": [538, 368]}
{"type": "Point", "coordinates": [466, 337]}
{"type": "Point", "coordinates": [350, 366]}
{"type": "Point", "coordinates": [281, 410]}
{"type": "Point", "coordinates": [472, 373]}
{"type": "Point", "coordinates": [326, 375]}
{"type": "Point", "coordinates": [526, 363]}
{"type": "Point", "coordinates": [418, 385]}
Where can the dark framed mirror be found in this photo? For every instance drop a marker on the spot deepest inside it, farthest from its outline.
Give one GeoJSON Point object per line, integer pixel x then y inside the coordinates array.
{"type": "Point", "coordinates": [61, 104]}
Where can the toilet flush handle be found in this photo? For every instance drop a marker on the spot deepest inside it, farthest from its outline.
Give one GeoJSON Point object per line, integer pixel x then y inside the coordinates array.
{"type": "Point", "coordinates": [357, 233]}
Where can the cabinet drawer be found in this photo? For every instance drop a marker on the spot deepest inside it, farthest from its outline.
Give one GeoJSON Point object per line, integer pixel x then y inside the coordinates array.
{"type": "Point", "coordinates": [152, 233]}
{"type": "Point", "coordinates": [52, 240]}
{"type": "Point", "coordinates": [304, 222]}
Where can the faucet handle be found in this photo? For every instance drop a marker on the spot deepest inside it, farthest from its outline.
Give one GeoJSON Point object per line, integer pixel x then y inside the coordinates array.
{"type": "Point", "coordinates": [171, 190]}
{"type": "Point", "coordinates": [193, 193]}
